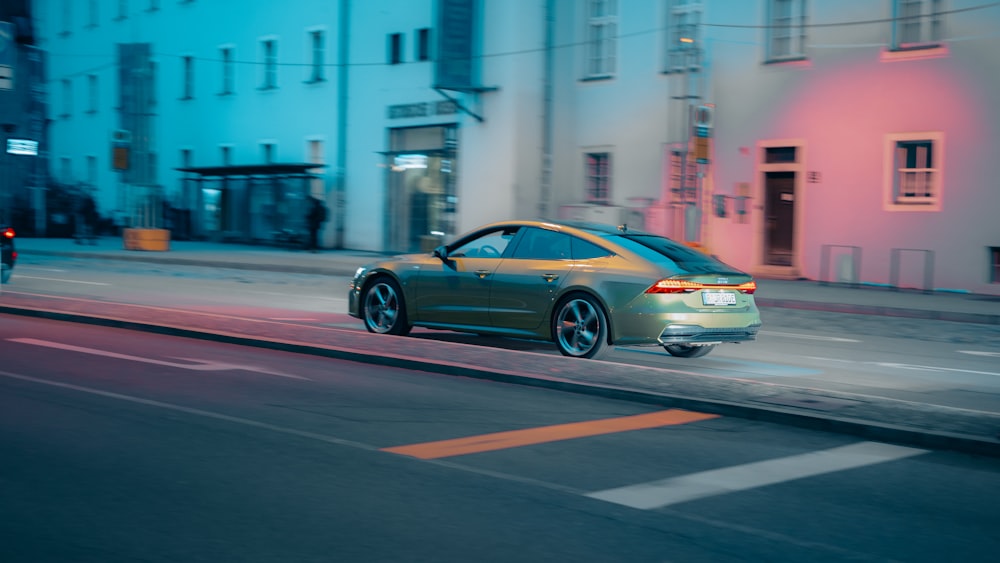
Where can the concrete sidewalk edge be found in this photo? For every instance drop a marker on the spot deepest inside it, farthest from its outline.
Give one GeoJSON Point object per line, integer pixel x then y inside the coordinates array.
{"type": "Point", "coordinates": [867, 429]}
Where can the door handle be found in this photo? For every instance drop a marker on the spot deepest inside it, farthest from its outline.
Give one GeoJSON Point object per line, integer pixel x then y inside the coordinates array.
{"type": "Point", "coordinates": [482, 273]}
{"type": "Point", "coordinates": [550, 277]}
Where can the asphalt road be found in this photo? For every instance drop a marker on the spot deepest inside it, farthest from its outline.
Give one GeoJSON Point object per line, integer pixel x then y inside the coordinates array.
{"type": "Point", "coordinates": [129, 446]}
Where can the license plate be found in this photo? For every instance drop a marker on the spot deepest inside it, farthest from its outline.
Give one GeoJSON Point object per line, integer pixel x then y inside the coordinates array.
{"type": "Point", "coordinates": [718, 298]}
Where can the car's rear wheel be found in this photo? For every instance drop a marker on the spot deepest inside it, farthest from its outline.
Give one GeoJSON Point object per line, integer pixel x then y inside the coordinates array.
{"type": "Point", "coordinates": [688, 351]}
{"type": "Point", "coordinates": [384, 309]}
{"type": "Point", "coordinates": [7, 270]}
{"type": "Point", "coordinates": [580, 327]}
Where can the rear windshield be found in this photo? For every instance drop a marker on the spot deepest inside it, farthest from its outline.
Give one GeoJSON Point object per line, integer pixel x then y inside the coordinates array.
{"type": "Point", "coordinates": [673, 255]}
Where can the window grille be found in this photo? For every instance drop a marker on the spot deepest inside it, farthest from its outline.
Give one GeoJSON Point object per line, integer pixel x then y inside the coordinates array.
{"type": "Point", "coordinates": [786, 32]}
{"type": "Point", "coordinates": [914, 171]}
{"type": "Point", "coordinates": [318, 43]}
{"type": "Point", "coordinates": [917, 24]}
{"type": "Point", "coordinates": [270, 64]}
{"type": "Point", "coordinates": [683, 35]}
{"type": "Point", "coordinates": [598, 177]}
{"type": "Point", "coordinates": [188, 92]}
{"type": "Point", "coordinates": [227, 70]}
{"type": "Point", "coordinates": [602, 37]}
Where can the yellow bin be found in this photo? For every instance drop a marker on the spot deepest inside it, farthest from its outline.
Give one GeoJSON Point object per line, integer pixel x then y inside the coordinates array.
{"type": "Point", "coordinates": [146, 239]}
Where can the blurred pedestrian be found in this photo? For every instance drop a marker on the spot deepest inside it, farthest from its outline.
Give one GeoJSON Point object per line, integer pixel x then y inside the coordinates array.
{"type": "Point", "coordinates": [315, 217]}
{"type": "Point", "coordinates": [87, 216]}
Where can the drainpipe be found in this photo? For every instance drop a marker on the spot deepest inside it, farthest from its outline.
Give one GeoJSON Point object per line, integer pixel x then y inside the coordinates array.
{"type": "Point", "coordinates": [545, 201]}
{"type": "Point", "coordinates": [340, 182]}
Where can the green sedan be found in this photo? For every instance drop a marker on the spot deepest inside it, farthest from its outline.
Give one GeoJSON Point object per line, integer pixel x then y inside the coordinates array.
{"type": "Point", "coordinates": [583, 286]}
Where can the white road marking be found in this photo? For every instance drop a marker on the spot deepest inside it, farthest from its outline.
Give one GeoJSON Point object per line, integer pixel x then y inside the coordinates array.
{"type": "Point", "coordinates": [304, 319]}
{"type": "Point", "coordinates": [910, 367]}
{"type": "Point", "coordinates": [310, 297]}
{"type": "Point", "coordinates": [658, 494]}
{"type": "Point", "coordinates": [932, 368]}
{"type": "Point", "coordinates": [978, 353]}
{"type": "Point", "coordinates": [62, 280]}
{"type": "Point", "coordinates": [807, 336]}
{"type": "Point", "coordinates": [192, 411]}
{"type": "Point", "coordinates": [33, 268]}
{"type": "Point", "coordinates": [199, 365]}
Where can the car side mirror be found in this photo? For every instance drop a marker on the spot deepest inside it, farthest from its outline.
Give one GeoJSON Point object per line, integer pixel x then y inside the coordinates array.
{"type": "Point", "coordinates": [441, 252]}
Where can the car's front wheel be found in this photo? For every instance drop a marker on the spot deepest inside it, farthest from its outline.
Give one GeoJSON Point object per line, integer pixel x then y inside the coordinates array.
{"type": "Point", "coordinates": [688, 351]}
{"type": "Point", "coordinates": [384, 309]}
{"type": "Point", "coordinates": [580, 327]}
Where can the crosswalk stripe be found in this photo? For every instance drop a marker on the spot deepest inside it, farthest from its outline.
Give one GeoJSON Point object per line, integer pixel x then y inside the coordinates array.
{"type": "Point", "coordinates": [666, 492]}
{"type": "Point", "coordinates": [529, 436]}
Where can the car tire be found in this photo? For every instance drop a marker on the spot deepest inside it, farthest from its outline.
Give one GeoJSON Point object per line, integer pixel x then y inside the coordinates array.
{"type": "Point", "coordinates": [383, 308]}
{"type": "Point", "coordinates": [688, 351]}
{"type": "Point", "coordinates": [580, 327]}
{"type": "Point", "coordinates": [7, 270]}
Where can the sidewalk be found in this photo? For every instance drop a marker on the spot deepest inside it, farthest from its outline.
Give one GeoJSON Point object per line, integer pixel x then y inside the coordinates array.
{"type": "Point", "coordinates": [866, 416]}
{"type": "Point", "coordinates": [947, 306]}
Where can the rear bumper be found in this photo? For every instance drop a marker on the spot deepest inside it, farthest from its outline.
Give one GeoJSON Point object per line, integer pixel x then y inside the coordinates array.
{"type": "Point", "coordinates": [694, 334]}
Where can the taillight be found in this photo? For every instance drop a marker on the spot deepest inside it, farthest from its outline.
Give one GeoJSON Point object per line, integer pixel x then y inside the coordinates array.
{"type": "Point", "coordinates": [685, 286]}
{"type": "Point", "coordinates": [8, 232]}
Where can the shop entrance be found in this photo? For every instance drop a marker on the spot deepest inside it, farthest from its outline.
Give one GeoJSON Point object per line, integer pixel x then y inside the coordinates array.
{"type": "Point", "coordinates": [421, 193]}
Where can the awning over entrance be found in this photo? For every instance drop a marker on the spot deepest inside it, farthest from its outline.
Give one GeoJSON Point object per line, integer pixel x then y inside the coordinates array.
{"type": "Point", "coordinates": [287, 169]}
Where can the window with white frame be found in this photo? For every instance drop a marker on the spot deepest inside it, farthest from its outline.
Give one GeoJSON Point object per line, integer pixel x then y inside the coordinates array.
{"type": "Point", "coordinates": [786, 31]}
{"type": "Point", "coordinates": [683, 35]}
{"type": "Point", "coordinates": [994, 264]}
{"type": "Point", "coordinates": [602, 37]}
{"type": "Point", "coordinates": [423, 46]}
{"type": "Point", "coordinates": [917, 24]}
{"type": "Point", "coordinates": [66, 170]}
{"type": "Point", "coordinates": [598, 172]}
{"type": "Point", "coordinates": [92, 93]}
{"type": "Point", "coordinates": [317, 44]}
{"type": "Point", "coordinates": [269, 52]}
{"type": "Point", "coordinates": [914, 171]}
{"type": "Point", "coordinates": [67, 18]}
{"type": "Point", "coordinates": [92, 170]}
{"type": "Point", "coordinates": [188, 79]}
{"type": "Point", "coordinates": [226, 55]}
{"type": "Point", "coordinates": [395, 48]}
{"type": "Point", "coordinates": [67, 101]}
{"type": "Point", "coordinates": [92, 10]}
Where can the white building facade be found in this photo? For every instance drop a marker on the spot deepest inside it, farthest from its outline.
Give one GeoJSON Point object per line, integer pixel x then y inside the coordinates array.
{"type": "Point", "coordinates": [848, 141]}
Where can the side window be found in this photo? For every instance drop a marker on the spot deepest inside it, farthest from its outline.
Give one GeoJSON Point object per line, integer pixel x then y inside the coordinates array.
{"type": "Point", "coordinates": [583, 250]}
{"type": "Point", "coordinates": [541, 244]}
{"type": "Point", "coordinates": [487, 245]}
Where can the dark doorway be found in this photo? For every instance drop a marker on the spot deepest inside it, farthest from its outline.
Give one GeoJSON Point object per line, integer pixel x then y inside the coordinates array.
{"type": "Point", "coordinates": [779, 218]}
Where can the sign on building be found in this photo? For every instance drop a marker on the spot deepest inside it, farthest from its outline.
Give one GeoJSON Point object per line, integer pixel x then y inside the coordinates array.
{"type": "Point", "coordinates": [7, 56]}
{"type": "Point", "coordinates": [457, 25]}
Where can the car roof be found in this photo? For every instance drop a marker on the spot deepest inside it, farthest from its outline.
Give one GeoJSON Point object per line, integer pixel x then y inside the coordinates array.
{"type": "Point", "coordinates": [599, 229]}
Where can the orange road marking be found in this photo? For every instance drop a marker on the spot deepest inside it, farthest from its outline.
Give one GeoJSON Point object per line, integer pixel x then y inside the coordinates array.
{"type": "Point", "coordinates": [529, 436]}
